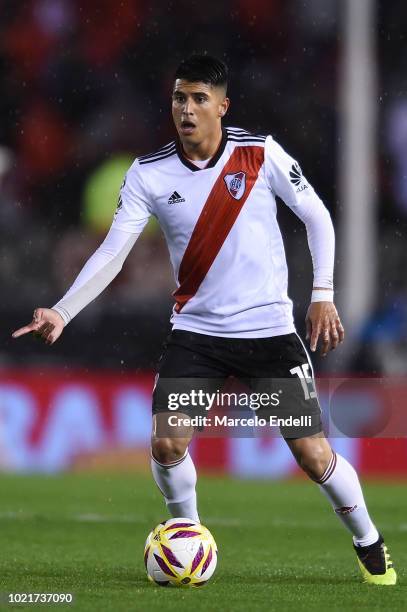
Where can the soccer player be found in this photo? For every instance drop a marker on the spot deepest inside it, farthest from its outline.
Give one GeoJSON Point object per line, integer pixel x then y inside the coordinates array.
{"type": "Point", "coordinates": [213, 192]}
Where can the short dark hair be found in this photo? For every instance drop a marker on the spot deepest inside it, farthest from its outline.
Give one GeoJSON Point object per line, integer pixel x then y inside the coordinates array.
{"type": "Point", "coordinates": [203, 68]}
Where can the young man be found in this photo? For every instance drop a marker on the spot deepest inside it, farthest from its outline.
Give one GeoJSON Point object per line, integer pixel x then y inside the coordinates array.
{"type": "Point", "coordinates": [213, 191]}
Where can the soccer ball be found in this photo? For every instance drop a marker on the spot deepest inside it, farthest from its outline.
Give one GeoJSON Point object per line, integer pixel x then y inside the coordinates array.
{"type": "Point", "coordinates": [180, 552]}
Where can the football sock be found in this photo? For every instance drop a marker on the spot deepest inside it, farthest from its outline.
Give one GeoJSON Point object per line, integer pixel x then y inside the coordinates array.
{"type": "Point", "coordinates": [340, 484]}
{"type": "Point", "coordinates": [177, 482]}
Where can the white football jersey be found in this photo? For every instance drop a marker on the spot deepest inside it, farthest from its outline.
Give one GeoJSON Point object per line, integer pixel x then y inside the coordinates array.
{"type": "Point", "coordinates": [221, 229]}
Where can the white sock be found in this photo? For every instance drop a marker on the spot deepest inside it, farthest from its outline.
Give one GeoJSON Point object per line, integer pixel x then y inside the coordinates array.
{"type": "Point", "coordinates": [176, 482]}
{"type": "Point", "coordinates": [340, 484]}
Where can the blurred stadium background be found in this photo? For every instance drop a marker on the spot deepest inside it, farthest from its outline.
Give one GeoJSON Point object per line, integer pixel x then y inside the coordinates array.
{"type": "Point", "coordinates": [86, 88]}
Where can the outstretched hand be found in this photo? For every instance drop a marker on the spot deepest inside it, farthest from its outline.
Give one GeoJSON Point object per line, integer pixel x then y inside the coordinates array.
{"type": "Point", "coordinates": [323, 321]}
{"type": "Point", "coordinates": [46, 324]}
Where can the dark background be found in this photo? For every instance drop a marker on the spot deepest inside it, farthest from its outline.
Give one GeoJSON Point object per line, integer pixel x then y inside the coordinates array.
{"type": "Point", "coordinates": [84, 83]}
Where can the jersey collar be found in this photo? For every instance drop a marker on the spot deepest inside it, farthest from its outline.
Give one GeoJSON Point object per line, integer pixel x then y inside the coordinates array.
{"type": "Point", "coordinates": [213, 159]}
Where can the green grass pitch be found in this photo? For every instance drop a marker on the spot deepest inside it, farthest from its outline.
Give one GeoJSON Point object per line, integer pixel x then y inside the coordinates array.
{"type": "Point", "coordinates": [280, 545]}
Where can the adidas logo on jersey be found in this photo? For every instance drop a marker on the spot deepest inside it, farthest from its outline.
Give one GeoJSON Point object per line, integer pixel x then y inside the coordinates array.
{"type": "Point", "coordinates": [175, 198]}
{"type": "Point", "coordinates": [297, 178]}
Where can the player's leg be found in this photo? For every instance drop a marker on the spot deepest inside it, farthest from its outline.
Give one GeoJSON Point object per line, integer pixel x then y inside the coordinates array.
{"type": "Point", "coordinates": [187, 365]}
{"type": "Point", "coordinates": [172, 466]}
{"type": "Point", "coordinates": [339, 482]}
{"type": "Point", "coordinates": [287, 362]}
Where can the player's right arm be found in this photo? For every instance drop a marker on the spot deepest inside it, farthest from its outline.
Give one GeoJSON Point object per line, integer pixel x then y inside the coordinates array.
{"type": "Point", "coordinates": [131, 216]}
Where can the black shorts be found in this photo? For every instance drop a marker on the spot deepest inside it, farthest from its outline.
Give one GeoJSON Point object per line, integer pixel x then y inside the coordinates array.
{"type": "Point", "coordinates": [278, 364]}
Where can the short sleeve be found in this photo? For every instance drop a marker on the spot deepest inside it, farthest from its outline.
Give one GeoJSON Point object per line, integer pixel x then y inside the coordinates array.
{"type": "Point", "coordinates": [134, 207]}
{"type": "Point", "coordinates": [285, 177]}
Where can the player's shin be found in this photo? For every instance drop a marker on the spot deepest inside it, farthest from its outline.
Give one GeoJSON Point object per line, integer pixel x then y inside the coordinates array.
{"type": "Point", "coordinates": [177, 482]}
{"type": "Point", "coordinates": [340, 484]}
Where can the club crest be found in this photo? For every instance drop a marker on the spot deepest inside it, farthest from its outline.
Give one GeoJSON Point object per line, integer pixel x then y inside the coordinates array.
{"type": "Point", "coordinates": [236, 184]}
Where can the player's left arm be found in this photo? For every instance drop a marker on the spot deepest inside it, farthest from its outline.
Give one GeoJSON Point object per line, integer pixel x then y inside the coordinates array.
{"type": "Point", "coordinates": [287, 181]}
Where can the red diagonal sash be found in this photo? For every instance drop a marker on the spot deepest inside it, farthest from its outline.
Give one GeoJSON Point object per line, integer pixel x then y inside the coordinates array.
{"type": "Point", "coordinates": [216, 220]}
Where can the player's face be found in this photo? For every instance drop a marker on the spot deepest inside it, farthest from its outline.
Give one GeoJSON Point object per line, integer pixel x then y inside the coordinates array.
{"type": "Point", "coordinates": [197, 110]}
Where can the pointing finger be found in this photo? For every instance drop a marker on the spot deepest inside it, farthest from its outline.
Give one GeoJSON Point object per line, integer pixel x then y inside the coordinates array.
{"type": "Point", "coordinates": [24, 330]}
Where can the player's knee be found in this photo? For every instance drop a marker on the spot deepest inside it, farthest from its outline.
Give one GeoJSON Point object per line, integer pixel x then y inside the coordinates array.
{"type": "Point", "coordinates": [314, 461]}
{"type": "Point", "coordinates": [168, 450]}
